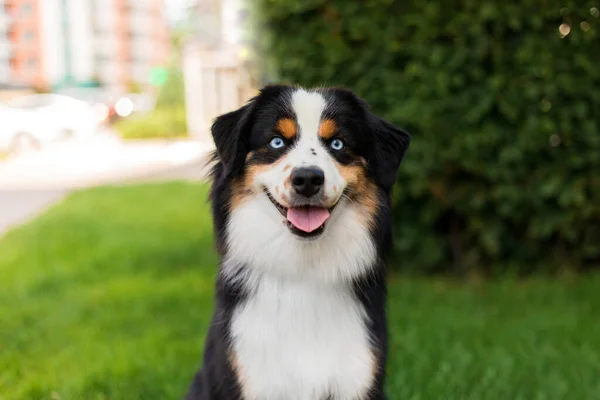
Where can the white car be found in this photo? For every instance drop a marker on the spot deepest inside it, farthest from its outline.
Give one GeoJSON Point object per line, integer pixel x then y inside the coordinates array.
{"type": "Point", "coordinates": [60, 114]}
{"type": "Point", "coordinates": [20, 130]}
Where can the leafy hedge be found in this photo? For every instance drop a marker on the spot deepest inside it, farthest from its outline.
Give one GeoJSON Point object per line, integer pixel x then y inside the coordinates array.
{"type": "Point", "coordinates": [502, 100]}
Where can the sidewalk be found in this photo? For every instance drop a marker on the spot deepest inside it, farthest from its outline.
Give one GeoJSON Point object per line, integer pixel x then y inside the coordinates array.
{"type": "Point", "coordinates": [19, 206]}
{"type": "Point", "coordinates": [33, 182]}
{"type": "Point", "coordinates": [105, 159]}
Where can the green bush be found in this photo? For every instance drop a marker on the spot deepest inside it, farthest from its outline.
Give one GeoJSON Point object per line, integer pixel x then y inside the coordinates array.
{"type": "Point", "coordinates": [502, 100]}
{"type": "Point", "coordinates": [167, 120]}
{"type": "Point", "coordinates": [162, 123]}
{"type": "Point", "coordinates": [173, 91]}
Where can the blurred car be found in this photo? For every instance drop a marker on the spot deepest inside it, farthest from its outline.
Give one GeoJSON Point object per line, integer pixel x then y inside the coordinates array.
{"type": "Point", "coordinates": [134, 103]}
{"type": "Point", "coordinates": [20, 130]}
{"type": "Point", "coordinates": [62, 115]}
{"type": "Point", "coordinates": [101, 100]}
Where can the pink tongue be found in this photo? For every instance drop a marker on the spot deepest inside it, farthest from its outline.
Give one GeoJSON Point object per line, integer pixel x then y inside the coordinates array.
{"type": "Point", "coordinates": [307, 219]}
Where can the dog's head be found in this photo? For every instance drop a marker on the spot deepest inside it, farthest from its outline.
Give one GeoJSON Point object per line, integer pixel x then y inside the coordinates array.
{"type": "Point", "coordinates": [303, 173]}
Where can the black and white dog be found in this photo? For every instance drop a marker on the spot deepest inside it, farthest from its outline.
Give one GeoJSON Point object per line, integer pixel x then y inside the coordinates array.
{"type": "Point", "coordinates": [301, 204]}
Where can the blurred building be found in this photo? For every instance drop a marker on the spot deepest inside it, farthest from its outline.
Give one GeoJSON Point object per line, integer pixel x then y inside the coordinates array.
{"type": "Point", "coordinates": [216, 22]}
{"type": "Point", "coordinates": [20, 44]}
{"type": "Point", "coordinates": [77, 43]}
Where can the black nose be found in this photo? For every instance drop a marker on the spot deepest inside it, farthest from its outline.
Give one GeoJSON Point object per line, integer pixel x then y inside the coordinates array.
{"type": "Point", "coordinates": [307, 181]}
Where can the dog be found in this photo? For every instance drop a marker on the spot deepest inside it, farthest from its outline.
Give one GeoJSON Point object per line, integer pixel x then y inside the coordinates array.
{"type": "Point", "coordinates": [301, 206]}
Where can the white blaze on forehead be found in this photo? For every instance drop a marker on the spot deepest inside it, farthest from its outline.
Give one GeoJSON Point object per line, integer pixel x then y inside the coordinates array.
{"type": "Point", "coordinates": [308, 107]}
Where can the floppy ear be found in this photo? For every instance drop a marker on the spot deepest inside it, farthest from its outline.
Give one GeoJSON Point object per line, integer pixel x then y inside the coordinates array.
{"type": "Point", "coordinates": [230, 133]}
{"type": "Point", "coordinates": [390, 145]}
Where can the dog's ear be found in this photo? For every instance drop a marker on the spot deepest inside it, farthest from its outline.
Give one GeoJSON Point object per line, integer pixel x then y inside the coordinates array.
{"type": "Point", "coordinates": [390, 145]}
{"type": "Point", "coordinates": [231, 134]}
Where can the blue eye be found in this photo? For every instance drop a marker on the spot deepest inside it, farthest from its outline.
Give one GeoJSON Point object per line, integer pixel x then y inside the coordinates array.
{"type": "Point", "coordinates": [277, 142]}
{"type": "Point", "coordinates": [337, 144]}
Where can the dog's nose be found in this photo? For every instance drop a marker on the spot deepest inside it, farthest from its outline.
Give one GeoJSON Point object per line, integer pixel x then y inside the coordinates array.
{"type": "Point", "coordinates": [307, 181]}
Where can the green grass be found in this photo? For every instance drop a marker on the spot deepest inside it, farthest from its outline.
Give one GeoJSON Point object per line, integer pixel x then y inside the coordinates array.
{"type": "Point", "coordinates": [109, 295]}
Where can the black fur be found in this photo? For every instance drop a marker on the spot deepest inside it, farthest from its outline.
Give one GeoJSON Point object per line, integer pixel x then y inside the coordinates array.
{"type": "Point", "coordinates": [248, 129]}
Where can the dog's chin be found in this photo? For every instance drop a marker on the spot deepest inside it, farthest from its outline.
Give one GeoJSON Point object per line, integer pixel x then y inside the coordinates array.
{"type": "Point", "coordinates": [299, 233]}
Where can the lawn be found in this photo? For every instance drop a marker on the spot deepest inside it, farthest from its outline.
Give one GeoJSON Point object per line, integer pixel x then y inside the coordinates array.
{"type": "Point", "coordinates": [109, 295]}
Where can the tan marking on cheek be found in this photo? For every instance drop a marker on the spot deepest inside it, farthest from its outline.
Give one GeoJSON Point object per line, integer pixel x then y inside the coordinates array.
{"type": "Point", "coordinates": [242, 188]}
{"type": "Point", "coordinates": [370, 202]}
{"type": "Point", "coordinates": [327, 129]}
{"type": "Point", "coordinates": [287, 167]}
{"type": "Point", "coordinates": [287, 128]}
{"type": "Point", "coordinates": [276, 189]}
{"type": "Point", "coordinates": [361, 190]}
{"type": "Point", "coordinates": [239, 374]}
{"type": "Point", "coordinates": [239, 192]}
{"type": "Point", "coordinates": [350, 173]}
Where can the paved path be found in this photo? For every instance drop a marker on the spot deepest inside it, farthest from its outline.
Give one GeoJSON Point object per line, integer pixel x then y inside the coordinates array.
{"type": "Point", "coordinates": [18, 206]}
{"type": "Point", "coordinates": [195, 171]}
{"type": "Point", "coordinates": [32, 182]}
{"type": "Point", "coordinates": [105, 159]}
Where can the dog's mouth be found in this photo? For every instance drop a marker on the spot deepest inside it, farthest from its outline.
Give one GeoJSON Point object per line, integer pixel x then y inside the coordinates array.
{"type": "Point", "coordinates": [306, 221]}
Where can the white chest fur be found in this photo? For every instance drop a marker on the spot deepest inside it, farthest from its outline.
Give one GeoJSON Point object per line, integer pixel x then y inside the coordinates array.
{"type": "Point", "coordinates": [302, 341]}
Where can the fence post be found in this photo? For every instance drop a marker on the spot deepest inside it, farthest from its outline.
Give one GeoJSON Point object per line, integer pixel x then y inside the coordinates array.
{"type": "Point", "coordinates": [214, 85]}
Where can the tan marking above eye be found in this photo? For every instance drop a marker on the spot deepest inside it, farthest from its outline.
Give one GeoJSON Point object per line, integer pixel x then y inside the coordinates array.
{"type": "Point", "coordinates": [287, 128]}
{"type": "Point", "coordinates": [327, 129]}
